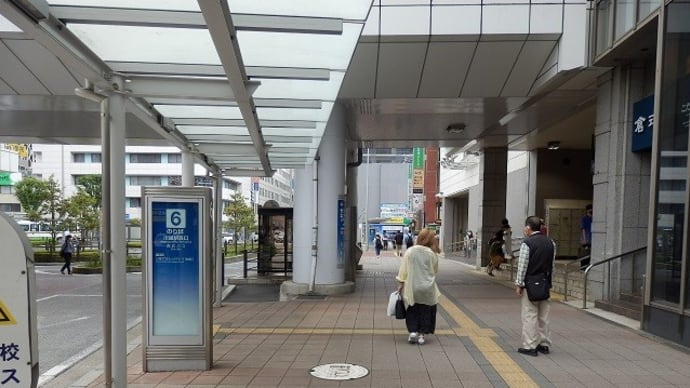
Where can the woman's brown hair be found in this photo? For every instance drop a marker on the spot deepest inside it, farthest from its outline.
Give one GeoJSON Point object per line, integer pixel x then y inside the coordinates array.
{"type": "Point", "coordinates": [427, 237]}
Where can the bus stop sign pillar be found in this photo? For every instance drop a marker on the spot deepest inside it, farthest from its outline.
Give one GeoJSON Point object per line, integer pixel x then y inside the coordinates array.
{"type": "Point", "coordinates": [18, 335]}
{"type": "Point", "coordinates": [178, 283]}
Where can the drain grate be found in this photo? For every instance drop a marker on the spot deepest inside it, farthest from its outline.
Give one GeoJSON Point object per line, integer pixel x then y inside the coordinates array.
{"type": "Point", "coordinates": [339, 371]}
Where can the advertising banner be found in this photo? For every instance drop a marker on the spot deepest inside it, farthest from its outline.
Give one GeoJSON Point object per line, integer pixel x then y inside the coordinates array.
{"type": "Point", "coordinates": [418, 171]}
{"type": "Point", "coordinates": [178, 280]}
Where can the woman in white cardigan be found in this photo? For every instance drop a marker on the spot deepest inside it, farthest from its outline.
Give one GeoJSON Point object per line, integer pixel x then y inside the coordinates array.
{"type": "Point", "coordinates": [417, 284]}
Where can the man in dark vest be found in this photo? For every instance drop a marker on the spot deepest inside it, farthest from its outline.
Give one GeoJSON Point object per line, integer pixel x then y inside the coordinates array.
{"type": "Point", "coordinates": [537, 254]}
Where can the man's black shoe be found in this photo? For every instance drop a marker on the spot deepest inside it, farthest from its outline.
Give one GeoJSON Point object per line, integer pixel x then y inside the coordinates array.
{"type": "Point", "coordinates": [531, 352]}
{"type": "Point", "coordinates": [543, 349]}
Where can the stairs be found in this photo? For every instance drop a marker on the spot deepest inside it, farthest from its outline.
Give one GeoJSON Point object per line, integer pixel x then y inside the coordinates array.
{"type": "Point", "coordinates": [628, 305]}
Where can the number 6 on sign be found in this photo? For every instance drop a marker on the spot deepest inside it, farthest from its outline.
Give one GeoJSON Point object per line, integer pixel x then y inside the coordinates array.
{"type": "Point", "coordinates": [175, 218]}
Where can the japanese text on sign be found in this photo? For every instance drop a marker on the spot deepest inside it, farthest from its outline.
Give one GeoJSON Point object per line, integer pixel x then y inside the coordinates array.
{"type": "Point", "coordinates": [8, 353]}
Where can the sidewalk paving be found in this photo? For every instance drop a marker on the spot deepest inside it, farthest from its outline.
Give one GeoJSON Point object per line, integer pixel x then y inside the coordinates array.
{"type": "Point", "coordinates": [275, 344]}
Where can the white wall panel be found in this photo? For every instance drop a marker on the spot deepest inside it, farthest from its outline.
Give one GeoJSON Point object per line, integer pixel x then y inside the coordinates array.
{"type": "Point", "coordinates": [17, 75]}
{"type": "Point", "coordinates": [371, 27]}
{"type": "Point", "coordinates": [445, 68]}
{"type": "Point", "coordinates": [400, 69]}
{"type": "Point", "coordinates": [5, 88]}
{"type": "Point", "coordinates": [546, 19]}
{"type": "Point", "coordinates": [456, 20]}
{"type": "Point", "coordinates": [410, 20]}
{"type": "Point", "coordinates": [528, 65]}
{"type": "Point", "coordinates": [361, 75]}
{"type": "Point", "coordinates": [505, 19]}
{"type": "Point", "coordinates": [490, 67]}
{"type": "Point", "coordinates": [44, 65]}
{"type": "Point", "coordinates": [573, 42]}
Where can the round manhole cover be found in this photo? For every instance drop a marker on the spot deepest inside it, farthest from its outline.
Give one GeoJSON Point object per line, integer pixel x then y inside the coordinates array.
{"type": "Point", "coordinates": [339, 371]}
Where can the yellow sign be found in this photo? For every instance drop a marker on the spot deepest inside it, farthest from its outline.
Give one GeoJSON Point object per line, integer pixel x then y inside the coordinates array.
{"type": "Point", "coordinates": [417, 181]}
{"type": "Point", "coordinates": [6, 317]}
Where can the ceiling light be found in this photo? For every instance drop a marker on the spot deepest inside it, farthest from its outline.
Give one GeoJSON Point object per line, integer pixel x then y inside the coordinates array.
{"type": "Point", "coordinates": [554, 145]}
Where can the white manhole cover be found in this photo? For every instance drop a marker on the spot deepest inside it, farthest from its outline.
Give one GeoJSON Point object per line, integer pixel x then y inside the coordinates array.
{"type": "Point", "coordinates": [339, 371]}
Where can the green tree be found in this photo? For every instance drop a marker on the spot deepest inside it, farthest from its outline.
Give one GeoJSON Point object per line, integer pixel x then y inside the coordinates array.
{"type": "Point", "coordinates": [92, 185]}
{"type": "Point", "coordinates": [31, 193]}
{"type": "Point", "coordinates": [53, 207]}
{"type": "Point", "coordinates": [240, 215]}
{"type": "Point", "coordinates": [81, 212]}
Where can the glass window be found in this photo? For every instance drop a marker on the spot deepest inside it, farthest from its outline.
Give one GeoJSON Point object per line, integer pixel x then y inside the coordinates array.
{"type": "Point", "coordinates": [647, 7]}
{"type": "Point", "coordinates": [145, 181]}
{"type": "Point", "coordinates": [10, 207]}
{"type": "Point", "coordinates": [79, 157]}
{"type": "Point", "coordinates": [96, 158]}
{"type": "Point", "coordinates": [603, 24]}
{"type": "Point", "coordinates": [38, 156]}
{"type": "Point", "coordinates": [174, 158]}
{"type": "Point", "coordinates": [144, 158]}
{"type": "Point", "coordinates": [134, 202]}
{"type": "Point", "coordinates": [625, 16]}
{"type": "Point", "coordinates": [673, 127]}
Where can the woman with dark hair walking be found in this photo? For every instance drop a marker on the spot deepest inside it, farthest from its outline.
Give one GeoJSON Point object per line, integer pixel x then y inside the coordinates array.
{"type": "Point", "coordinates": [417, 285]}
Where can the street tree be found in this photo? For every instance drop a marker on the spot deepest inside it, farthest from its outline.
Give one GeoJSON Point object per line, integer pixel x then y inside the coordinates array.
{"type": "Point", "coordinates": [240, 215]}
{"type": "Point", "coordinates": [81, 212]}
{"type": "Point", "coordinates": [31, 193]}
{"type": "Point", "coordinates": [52, 208]}
{"type": "Point", "coordinates": [92, 185]}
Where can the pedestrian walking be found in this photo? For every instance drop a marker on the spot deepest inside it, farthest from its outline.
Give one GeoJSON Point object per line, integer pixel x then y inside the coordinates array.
{"type": "Point", "coordinates": [398, 243]}
{"type": "Point", "coordinates": [378, 245]}
{"type": "Point", "coordinates": [537, 254]}
{"type": "Point", "coordinates": [66, 252]}
{"type": "Point", "coordinates": [417, 285]}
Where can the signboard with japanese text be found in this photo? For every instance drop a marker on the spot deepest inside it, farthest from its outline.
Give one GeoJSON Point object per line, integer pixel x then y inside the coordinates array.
{"type": "Point", "coordinates": [18, 335]}
{"type": "Point", "coordinates": [175, 269]}
{"type": "Point", "coordinates": [643, 122]}
{"type": "Point", "coordinates": [10, 178]}
{"type": "Point", "coordinates": [341, 232]}
{"type": "Point", "coordinates": [177, 278]}
{"type": "Point", "coordinates": [418, 171]}
{"type": "Point", "coordinates": [389, 210]}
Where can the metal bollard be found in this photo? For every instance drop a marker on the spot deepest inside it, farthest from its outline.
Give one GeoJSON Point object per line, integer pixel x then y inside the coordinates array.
{"type": "Point", "coordinates": [244, 253]}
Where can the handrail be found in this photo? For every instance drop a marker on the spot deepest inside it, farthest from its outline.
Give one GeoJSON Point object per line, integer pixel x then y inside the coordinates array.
{"type": "Point", "coordinates": [589, 267]}
{"type": "Point", "coordinates": [568, 271]}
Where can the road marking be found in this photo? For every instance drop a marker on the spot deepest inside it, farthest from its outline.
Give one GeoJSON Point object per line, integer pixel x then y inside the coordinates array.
{"type": "Point", "coordinates": [64, 323]}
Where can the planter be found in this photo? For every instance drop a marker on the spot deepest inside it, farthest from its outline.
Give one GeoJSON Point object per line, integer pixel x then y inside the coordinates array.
{"type": "Point", "coordinates": [94, 270]}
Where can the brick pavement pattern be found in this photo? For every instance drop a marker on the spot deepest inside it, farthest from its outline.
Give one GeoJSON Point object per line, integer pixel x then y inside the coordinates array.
{"type": "Point", "coordinates": [275, 344]}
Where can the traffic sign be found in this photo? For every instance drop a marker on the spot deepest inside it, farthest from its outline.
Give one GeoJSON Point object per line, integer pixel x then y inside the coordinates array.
{"type": "Point", "coordinates": [18, 336]}
{"type": "Point", "coordinates": [6, 317]}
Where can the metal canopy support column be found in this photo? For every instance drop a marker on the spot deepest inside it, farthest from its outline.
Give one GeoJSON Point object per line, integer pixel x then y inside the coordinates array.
{"type": "Point", "coordinates": [187, 169]}
{"type": "Point", "coordinates": [117, 237]}
{"type": "Point", "coordinates": [218, 246]}
{"type": "Point", "coordinates": [222, 30]}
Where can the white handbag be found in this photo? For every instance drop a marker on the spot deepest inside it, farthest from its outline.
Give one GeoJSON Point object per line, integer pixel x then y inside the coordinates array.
{"type": "Point", "coordinates": [392, 300]}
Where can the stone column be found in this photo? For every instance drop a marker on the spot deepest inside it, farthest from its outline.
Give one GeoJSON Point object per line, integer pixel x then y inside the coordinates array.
{"type": "Point", "coordinates": [493, 169]}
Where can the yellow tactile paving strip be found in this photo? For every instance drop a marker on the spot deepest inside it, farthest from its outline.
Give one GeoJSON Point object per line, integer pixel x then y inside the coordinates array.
{"type": "Point", "coordinates": [511, 372]}
{"type": "Point", "coordinates": [504, 365]}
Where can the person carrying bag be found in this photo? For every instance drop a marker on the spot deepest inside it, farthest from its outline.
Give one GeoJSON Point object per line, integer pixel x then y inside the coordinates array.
{"type": "Point", "coordinates": [532, 285]}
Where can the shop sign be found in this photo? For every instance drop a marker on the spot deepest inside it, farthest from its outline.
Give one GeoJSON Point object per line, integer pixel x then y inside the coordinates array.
{"type": "Point", "coordinates": [643, 122]}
